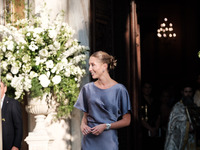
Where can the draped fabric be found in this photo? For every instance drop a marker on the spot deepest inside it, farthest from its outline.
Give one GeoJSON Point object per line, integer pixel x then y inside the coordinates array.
{"type": "Point", "coordinates": [178, 136]}
{"type": "Point", "coordinates": [103, 106]}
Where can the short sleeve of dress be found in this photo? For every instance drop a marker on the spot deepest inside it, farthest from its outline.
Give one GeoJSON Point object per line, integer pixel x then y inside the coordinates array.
{"type": "Point", "coordinates": [81, 102]}
{"type": "Point", "coordinates": [125, 105]}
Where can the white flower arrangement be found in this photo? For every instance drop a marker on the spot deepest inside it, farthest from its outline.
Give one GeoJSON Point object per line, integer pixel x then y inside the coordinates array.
{"type": "Point", "coordinates": [40, 56]}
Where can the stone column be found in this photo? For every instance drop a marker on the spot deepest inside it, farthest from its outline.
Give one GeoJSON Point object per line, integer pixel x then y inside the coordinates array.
{"type": "Point", "coordinates": [78, 19]}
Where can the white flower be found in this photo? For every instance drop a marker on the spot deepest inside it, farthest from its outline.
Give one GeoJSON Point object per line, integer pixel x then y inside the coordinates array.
{"type": "Point", "coordinates": [27, 83]}
{"type": "Point", "coordinates": [33, 74]}
{"type": "Point", "coordinates": [16, 81]}
{"type": "Point", "coordinates": [9, 76]}
{"type": "Point", "coordinates": [26, 58]}
{"type": "Point", "coordinates": [57, 45]}
{"type": "Point", "coordinates": [26, 68]}
{"type": "Point", "coordinates": [43, 53]}
{"type": "Point", "coordinates": [4, 48]}
{"type": "Point", "coordinates": [67, 72]}
{"type": "Point", "coordinates": [4, 64]}
{"type": "Point", "coordinates": [52, 34]}
{"type": "Point", "coordinates": [49, 64]}
{"type": "Point", "coordinates": [33, 47]}
{"type": "Point", "coordinates": [56, 79]}
{"type": "Point", "coordinates": [15, 69]}
{"type": "Point", "coordinates": [28, 34]}
{"type": "Point", "coordinates": [48, 74]}
{"type": "Point", "coordinates": [10, 45]}
{"type": "Point", "coordinates": [37, 59]}
{"type": "Point", "coordinates": [44, 81]}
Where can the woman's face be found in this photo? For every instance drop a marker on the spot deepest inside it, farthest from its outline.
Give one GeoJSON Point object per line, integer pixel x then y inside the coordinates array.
{"type": "Point", "coordinates": [96, 67]}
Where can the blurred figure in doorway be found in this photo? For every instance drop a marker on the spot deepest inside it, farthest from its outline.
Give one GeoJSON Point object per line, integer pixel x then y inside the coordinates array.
{"type": "Point", "coordinates": [180, 132]}
{"type": "Point", "coordinates": [150, 118]}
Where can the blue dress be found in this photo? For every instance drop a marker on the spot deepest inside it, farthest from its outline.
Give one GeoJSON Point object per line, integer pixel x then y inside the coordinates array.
{"type": "Point", "coordinates": [103, 106]}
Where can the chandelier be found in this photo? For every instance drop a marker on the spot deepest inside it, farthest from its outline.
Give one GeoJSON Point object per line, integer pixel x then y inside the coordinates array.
{"type": "Point", "coordinates": [166, 30]}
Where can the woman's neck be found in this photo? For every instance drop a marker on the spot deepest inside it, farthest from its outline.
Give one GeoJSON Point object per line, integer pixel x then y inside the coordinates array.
{"type": "Point", "coordinates": [105, 83]}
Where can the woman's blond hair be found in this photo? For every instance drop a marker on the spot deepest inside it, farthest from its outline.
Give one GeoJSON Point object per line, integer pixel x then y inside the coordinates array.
{"type": "Point", "coordinates": [106, 58]}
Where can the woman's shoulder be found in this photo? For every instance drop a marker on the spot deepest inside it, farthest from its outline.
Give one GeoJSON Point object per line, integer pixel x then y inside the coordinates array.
{"type": "Point", "coordinates": [88, 85]}
{"type": "Point", "coordinates": [121, 86]}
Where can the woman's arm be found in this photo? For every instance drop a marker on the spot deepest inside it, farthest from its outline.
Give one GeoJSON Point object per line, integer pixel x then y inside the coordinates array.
{"type": "Point", "coordinates": [85, 129]}
{"type": "Point", "coordinates": [125, 121]}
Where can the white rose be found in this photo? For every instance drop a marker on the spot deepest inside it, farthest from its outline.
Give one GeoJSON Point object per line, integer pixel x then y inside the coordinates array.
{"type": "Point", "coordinates": [26, 58]}
{"type": "Point", "coordinates": [9, 76]}
{"type": "Point", "coordinates": [14, 69]}
{"type": "Point", "coordinates": [27, 84]}
{"type": "Point", "coordinates": [48, 74]}
{"type": "Point", "coordinates": [37, 59]}
{"type": "Point", "coordinates": [28, 34]}
{"type": "Point", "coordinates": [49, 64]}
{"type": "Point", "coordinates": [52, 34]}
{"type": "Point", "coordinates": [43, 53]}
{"type": "Point", "coordinates": [16, 82]}
{"type": "Point", "coordinates": [10, 45]}
{"type": "Point", "coordinates": [67, 72]}
{"type": "Point", "coordinates": [33, 74]}
{"type": "Point", "coordinates": [4, 65]}
{"type": "Point", "coordinates": [26, 68]}
{"type": "Point", "coordinates": [56, 79]}
{"type": "Point", "coordinates": [44, 81]}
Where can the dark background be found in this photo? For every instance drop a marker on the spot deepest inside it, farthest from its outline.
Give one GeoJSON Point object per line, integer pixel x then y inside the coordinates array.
{"type": "Point", "coordinates": [169, 62]}
{"type": "Point", "coordinates": [164, 62]}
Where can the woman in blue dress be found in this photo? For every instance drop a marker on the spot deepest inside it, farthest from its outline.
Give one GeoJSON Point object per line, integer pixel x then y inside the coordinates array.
{"type": "Point", "coordinates": [103, 103]}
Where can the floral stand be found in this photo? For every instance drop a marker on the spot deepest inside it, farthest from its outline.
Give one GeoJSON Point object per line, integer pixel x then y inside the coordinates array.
{"type": "Point", "coordinates": [39, 138]}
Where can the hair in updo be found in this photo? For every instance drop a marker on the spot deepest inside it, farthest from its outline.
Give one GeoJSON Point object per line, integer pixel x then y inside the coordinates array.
{"type": "Point", "coordinates": [106, 58]}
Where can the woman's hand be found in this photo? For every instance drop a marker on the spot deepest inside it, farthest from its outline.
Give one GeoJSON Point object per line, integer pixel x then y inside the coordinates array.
{"type": "Point", "coordinates": [97, 130]}
{"type": "Point", "coordinates": [85, 129]}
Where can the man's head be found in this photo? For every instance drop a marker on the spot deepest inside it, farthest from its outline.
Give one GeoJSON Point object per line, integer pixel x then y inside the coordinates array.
{"type": "Point", "coordinates": [3, 89]}
{"type": "Point", "coordinates": [187, 91]}
{"type": "Point", "coordinates": [187, 95]}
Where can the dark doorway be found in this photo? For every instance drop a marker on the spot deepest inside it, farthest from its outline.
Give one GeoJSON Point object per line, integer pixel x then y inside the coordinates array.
{"type": "Point", "coordinates": [169, 61]}
{"type": "Point", "coordinates": [164, 62]}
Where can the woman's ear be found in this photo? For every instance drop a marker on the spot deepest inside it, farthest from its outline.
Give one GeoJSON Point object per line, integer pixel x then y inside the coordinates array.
{"type": "Point", "coordinates": [105, 66]}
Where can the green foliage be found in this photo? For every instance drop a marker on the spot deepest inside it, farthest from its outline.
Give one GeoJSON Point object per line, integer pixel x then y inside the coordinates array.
{"type": "Point", "coordinates": [40, 56]}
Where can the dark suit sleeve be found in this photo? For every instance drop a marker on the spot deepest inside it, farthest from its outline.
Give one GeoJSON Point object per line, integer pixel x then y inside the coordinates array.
{"type": "Point", "coordinates": [17, 123]}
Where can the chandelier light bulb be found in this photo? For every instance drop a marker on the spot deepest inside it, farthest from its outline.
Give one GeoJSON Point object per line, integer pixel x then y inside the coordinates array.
{"type": "Point", "coordinates": [159, 35]}
{"type": "Point", "coordinates": [170, 29]}
{"type": "Point", "coordinates": [165, 30]}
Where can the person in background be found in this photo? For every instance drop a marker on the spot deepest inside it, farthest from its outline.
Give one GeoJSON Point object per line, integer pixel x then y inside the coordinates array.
{"type": "Point", "coordinates": [105, 103]}
{"type": "Point", "coordinates": [180, 132]}
{"type": "Point", "coordinates": [166, 99]}
{"type": "Point", "coordinates": [11, 121]}
{"type": "Point", "coordinates": [150, 118]}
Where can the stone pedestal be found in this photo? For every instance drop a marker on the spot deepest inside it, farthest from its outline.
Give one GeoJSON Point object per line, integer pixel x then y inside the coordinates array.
{"type": "Point", "coordinates": [39, 138]}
